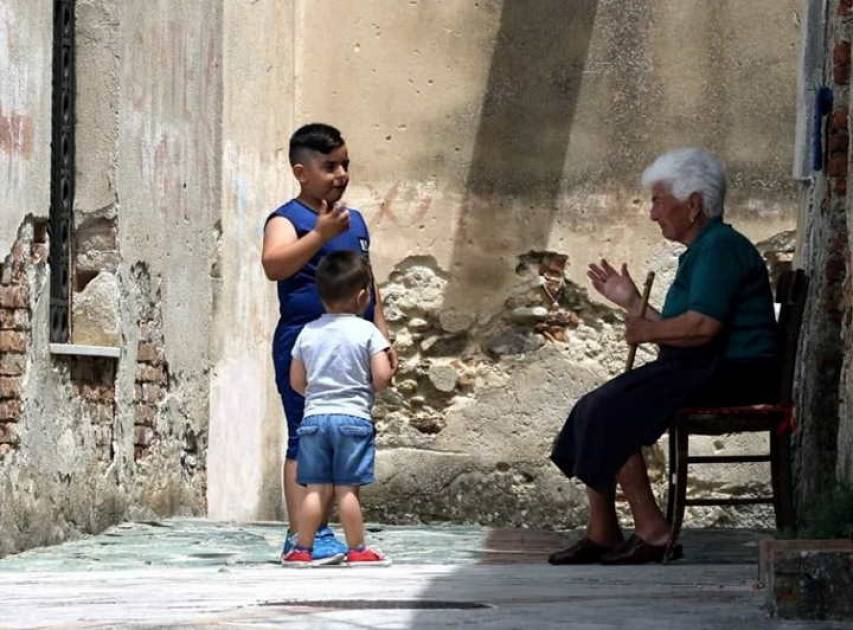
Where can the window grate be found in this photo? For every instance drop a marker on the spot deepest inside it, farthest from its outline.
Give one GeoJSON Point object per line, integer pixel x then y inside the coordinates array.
{"type": "Point", "coordinates": [62, 169]}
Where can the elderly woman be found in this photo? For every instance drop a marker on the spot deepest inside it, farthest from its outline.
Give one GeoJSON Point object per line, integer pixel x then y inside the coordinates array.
{"type": "Point", "coordinates": [717, 338]}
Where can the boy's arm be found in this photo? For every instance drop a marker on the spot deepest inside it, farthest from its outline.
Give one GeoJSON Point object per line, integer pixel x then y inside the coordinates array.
{"type": "Point", "coordinates": [380, 369]}
{"type": "Point", "coordinates": [284, 253]}
{"type": "Point", "coordinates": [298, 378]}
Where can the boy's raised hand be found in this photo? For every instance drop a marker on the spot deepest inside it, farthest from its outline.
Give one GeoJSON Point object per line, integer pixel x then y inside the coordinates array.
{"type": "Point", "coordinates": [331, 221]}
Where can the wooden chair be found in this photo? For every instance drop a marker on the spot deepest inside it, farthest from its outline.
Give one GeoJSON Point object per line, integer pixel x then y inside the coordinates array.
{"type": "Point", "coordinates": [777, 420]}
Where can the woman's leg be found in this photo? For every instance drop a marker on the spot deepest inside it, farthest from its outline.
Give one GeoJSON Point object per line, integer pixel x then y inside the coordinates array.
{"type": "Point", "coordinates": [649, 522]}
{"type": "Point", "coordinates": [603, 526]}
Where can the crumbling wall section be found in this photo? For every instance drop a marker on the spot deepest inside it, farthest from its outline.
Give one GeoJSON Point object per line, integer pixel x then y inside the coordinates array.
{"type": "Point", "coordinates": [465, 432]}
{"type": "Point", "coordinates": [87, 441]}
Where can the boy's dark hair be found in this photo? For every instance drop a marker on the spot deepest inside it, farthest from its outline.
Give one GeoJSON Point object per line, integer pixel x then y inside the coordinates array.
{"type": "Point", "coordinates": [314, 137]}
{"type": "Point", "coordinates": [340, 275]}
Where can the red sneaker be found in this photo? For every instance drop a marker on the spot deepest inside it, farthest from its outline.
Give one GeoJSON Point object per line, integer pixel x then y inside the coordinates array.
{"type": "Point", "coordinates": [297, 558]}
{"type": "Point", "coordinates": [367, 557]}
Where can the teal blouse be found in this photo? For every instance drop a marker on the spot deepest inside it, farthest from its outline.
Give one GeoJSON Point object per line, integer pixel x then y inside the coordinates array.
{"type": "Point", "coordinates": [723, 276]}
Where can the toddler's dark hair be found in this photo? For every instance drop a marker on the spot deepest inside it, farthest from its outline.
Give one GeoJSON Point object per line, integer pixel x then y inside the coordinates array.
{"type": "Point", "coordinates": [314, 137]}
{"type": "Point", "coordinates": [340, 275]}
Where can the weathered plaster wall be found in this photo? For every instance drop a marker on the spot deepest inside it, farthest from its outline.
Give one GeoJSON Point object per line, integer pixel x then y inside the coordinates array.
{"type": "Point", "coordinates": [86, 442]}
{"type": "Point", "coordinates": [482, 131]}
{"type": "Point", "coordinates": [824, 440]}
{"type": "Point", "coordinates": [838, 252]}
{"type": "Point", "coordinates": [245, 413]}
{"type": "Point", "coordinates": [26, 32]}
{"type": "Point", "coordinates": [496, 149]}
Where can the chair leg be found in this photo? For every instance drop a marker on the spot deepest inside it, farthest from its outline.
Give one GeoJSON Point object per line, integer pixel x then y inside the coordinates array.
{"type": "Point", "coordinates": [780, 474]}
{"type": "Point", "coordinates": [681, 450]}
{"type": "Point", "coordinates": [670, 465]}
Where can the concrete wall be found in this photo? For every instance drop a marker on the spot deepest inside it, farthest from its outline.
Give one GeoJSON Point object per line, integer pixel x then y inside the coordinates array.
{"type": "Point", "coordinates": [496, 148]}
{"type": "Point", "coordinates": [26, 33]}
{"type": "Point", "coordinates": [481, 132]}
{"type": "Point", "coordinates": [246, 424]}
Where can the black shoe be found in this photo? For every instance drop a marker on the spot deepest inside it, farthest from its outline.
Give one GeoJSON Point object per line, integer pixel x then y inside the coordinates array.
{"type": "Point", "coordinates": [583, 551]}
{"type": "Point", "coordinates": [635, 550]}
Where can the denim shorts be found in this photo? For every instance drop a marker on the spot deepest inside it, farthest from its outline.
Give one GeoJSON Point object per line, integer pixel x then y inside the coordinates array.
{"type": "Point", "coordinates": [335, 449]}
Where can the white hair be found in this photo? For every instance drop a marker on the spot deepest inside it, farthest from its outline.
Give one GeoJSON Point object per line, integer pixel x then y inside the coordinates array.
{"type": "Point", "coordinates": [690, 170]}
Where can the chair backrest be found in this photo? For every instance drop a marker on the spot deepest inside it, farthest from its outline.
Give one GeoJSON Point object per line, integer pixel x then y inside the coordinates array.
{"type": "Point", "coordinates": [791, 290]}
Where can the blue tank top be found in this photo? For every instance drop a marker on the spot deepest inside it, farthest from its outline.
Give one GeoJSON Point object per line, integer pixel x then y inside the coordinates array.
{"type": "Point", "coordinates": [298, 299]}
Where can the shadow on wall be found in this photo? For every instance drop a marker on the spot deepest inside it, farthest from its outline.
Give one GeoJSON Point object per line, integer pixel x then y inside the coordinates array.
{"type": "Point", "coordinates": [521, 144]}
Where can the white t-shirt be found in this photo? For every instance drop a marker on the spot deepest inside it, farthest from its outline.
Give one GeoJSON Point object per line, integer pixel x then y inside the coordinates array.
{"type": "Point", "coordinates": [336, 350]}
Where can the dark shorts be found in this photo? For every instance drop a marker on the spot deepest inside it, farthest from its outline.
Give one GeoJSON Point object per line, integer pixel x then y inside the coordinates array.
{"type": "Point", "coordinates": [335, 450]}
{"type": "Point", "coordinates": [292, 402]}
{"type": "Point", "coordinates": [611, 423]}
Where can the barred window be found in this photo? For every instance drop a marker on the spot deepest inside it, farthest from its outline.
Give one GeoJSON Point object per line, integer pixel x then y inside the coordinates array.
{"type": "Point", "coordinates": [62, 170]}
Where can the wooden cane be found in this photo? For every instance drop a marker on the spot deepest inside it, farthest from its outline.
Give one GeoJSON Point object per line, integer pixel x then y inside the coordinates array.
{"type": "Point", "coordinates": [647, 289]}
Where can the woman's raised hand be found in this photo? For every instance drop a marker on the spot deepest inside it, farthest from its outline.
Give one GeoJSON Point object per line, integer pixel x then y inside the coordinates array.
{"type": "Point", "coordinates": [617, 287]}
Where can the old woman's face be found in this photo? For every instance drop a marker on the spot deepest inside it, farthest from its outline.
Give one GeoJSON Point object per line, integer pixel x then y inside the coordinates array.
{"type": "Point", "coordinates": [674, 217]}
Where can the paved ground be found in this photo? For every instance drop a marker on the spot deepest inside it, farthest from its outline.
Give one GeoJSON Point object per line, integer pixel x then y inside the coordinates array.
{"type": "Point", "coordinates": [193, 573]}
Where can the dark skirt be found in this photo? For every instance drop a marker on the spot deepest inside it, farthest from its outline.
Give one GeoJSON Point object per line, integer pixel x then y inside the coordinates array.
{"type": "Point", "coordinates": [612, 422]}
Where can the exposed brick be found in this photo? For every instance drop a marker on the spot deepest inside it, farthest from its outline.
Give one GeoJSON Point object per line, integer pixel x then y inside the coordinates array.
{"type": "Point", "coordinates": [840, 53]}
{"type": "Point", "coordinates": [14, 296]}
{"type": "Point", "coordinates": [841, 63]}
{"type": "Point", "coordinates": [152, 392]}
{"type": "Point", "coordinates": [838, 142]}
{"type": "Point", "coordinates": [14, 319]}
{"type": "Point", "coordinates": [10, 410]}
{"type": "Point", "coordinates": [841, 186]}
{"type": "Point", "coordinates": [143, 436]}
{"type": "Point", "coordinates": [148, 353]}
{"type": "Point", "coordinates": [151, 374]}
{"type": "Point", "coordinates": [102, 414]}
{"type": "Point", "coordinates": [10, 387]}
{"type": "Point", "coordinates": [139, 452]}
{"type": "Point", "coordinates": [12, 364]}
{"type": "Point", "coordinates": [5, 449]}
{"type": "Point", "coordinates": [145, 415]}
{"type": "Point", "coordinates": [18, 249]}
{"type": "Point", "coordinates": [39, 252]}
{"type": "Point", "coordinates": [837, 166]}
{"type": "Point", "coordinates": [41, 231]}
{"type": "Point", "coordinates": [97, 393]}
{"type": "Point", "coordinates": [13, 341]}
{"type": "Point", "coordinates": [9, 433]}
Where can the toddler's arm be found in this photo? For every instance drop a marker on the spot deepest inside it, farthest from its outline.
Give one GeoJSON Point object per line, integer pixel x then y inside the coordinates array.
{"type": "Point", "coordinates": [380, 368]}
{"type": "Point", "coordinates": [298, 378]}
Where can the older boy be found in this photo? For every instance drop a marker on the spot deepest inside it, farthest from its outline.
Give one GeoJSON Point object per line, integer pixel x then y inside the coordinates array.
{"type": "Point", "coordinates": [297, 235]}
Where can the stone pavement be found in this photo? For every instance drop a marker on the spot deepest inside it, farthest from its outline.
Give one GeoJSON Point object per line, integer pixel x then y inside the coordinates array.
{"type": "Point", "coordinates": [196, 573]}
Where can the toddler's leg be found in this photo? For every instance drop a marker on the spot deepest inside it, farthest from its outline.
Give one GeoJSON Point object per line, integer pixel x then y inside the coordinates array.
{"type": "Point", "coordinates": [349, 511]}
{"type": "Point", "coordinates": [312, 511]}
